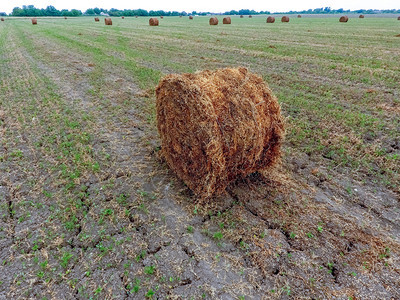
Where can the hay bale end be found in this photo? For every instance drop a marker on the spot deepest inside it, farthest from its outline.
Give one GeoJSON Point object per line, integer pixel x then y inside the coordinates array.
{"type": "Point", "coordinates": [343, 19]}
{"type": "Point", "coordinates": [213, 21]}
{"type": "Point", "coordinates": [227, 20]}
{"type": "Point", "coordinates": [108, 21]}
{"type": "Point", "coordinates": [285, 19]}
{"type": "Point", "coordinates": [34, 21]}
{"type": "Point", "coordinates": [361, 16]}
{"type": "Point", "coordinates": [217, 126]}
{"type": "Point", "coordinates": [270, 19]}
{"type": "Point", "coordinates": [153, 22]}
{"type": "Point", "coordinates": [96, 19]}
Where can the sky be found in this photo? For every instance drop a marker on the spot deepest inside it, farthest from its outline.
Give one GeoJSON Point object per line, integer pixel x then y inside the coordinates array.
{"type": "Point", "coordinates": [203, 5]}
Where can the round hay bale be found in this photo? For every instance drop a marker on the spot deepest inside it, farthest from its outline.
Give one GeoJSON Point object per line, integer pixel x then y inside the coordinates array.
{"type": "Point", "coordinates": [153, 22]}
{"type": "Point", "coordinates": [270, 19]}
{"type": "Point", "coordinates": [241, 16]}
{"type": "Point", "coordinates": [299, 16]}
{"type": "Point", "coordinates": [162, 17]}
{"type": "Point", "coordinates": [398, 18]}
{"type": "Point", "coordinates": [213, 21]}
{"type": "Point", "coordinates": [96, 19]}
{"type": "Point", "coordinates": [108, 21]}
{"type": "Point", "coordinates": [343, 19]}
{"type": "Point", "coordinates": [122, 17]}
{"type": "Point", "coordinates": [180, 16]}
{"type": "Point", "coordinates": [361, 16]}
{"type": "Point", "coordinates": [65, 18]}
{"type": "Point", "coordinates": [217, 126]}
{"type": "Point", "coordinates": [34, 21]}
{"type": "Point", "coordinates": [250, 16]}
{"type": "Point", "coordinates": [2, 19]}
{"type": "Point", "coordinates": [136, 16]}
{"type": "Point", "coordinates": [285, 19]}
{"type": "Point", "coordinates": [190, 17]}
{"type": "Point", "coordinates": [227, 20]}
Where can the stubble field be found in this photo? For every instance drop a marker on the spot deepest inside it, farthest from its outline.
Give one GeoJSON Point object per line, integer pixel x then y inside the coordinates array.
{"type": "Point", "coordinates": [89, 211]}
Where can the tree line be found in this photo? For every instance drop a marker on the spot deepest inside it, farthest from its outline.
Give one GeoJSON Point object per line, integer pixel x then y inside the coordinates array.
{"type": "Point", "coordinates": [51, 11]}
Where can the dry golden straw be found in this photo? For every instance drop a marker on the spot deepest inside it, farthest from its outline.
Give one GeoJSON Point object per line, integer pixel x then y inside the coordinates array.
{"type": "Point", "coordinates": [213, 21]}
{"type": "Point", "coordinates": [217, 126]}
{"type": "Point", "coordinates": [227, 20]}
{"type": "Point", "coordinates": [285, 19]}
{"type": "Point", "coordinates": [108, 21]}
{"type": "Point", "coordinates": [153, 22]}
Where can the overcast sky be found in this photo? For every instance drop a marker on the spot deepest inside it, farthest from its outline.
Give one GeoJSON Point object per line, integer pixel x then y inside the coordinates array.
{"type": "Point", "coordinates": [204, 5]}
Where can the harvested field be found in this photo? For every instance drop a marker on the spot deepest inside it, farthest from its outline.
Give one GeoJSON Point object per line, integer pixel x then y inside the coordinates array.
{"type": "Point", "coordinates": [88, 210]}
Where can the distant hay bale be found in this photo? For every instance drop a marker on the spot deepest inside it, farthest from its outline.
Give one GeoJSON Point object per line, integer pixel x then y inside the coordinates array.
{"type": "Point", "coordinates": [65, 18]}
{"type": "Point", "coordinates": [270, 19]}
{"type": "Point", "coordinates": [2, 19]}
{"type": "Point", "coordinates": [213, 21]}
{"type": "Point", "coordinates": [299, 16]}
{"type": "Point", "coordinates": [122, 17]}
{"type": "Point", "coordinates": [136, 16]}
{"type": "Point", "coordinates": [153, 22]}
{"type": "Point", "coordinates": [398, 18]}
{"type": "Point", "coordinates": [285, 19]}
{"type": "Point", "coordinates": [96, 19]}
{"type": "Point", "coordinates": [34, 21]}
{"type": "Point", "coordinates": [180, 16]}
{"type": "Point", "coordinates": [108, 21]}
{"type": "Point", "coordinates": [227, 20]}
{"type": "Point", "coordinates": [190, 17]}
{"type": "Point", "coordinates": [217, 126]}
{"type": "Point", "coordinates": [361, 16]}
{"type": "Point", "coordinates": [162, 17]}
{"type": "Point", "coordinates": [250, 16]}
{"type": "Point", "coordinates": [241, 16]}
{"type": "Point", "coordinates": [343, 19]}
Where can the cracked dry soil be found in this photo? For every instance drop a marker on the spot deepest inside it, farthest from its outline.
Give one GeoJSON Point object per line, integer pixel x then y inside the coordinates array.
{"type": "Point", "coordinates": [138, 232]}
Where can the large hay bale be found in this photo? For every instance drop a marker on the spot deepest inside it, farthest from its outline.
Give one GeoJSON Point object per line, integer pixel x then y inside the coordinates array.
{"type": "Point", "coordinates": [34, 21]}
{"type": "Point", "coordinates": [241, 16]}
{"type": "Point", "coordinates": [299, 16]}
{"type": "Point", "coordinates": [285, 19]}
{"type": "Point", "coordinates": [213, 21]}
{"type": "Point", "coordinates": [250, 16]}
{"type": "Point", "coordinates": [217, 126]}
{"type": "Point", "coordinates": [122, 17]}
{"type": "Point", "coordinates": [361, 16]}
{"type": "Point", "coordinates": [190, 17]}
{"type": "Point", "coordinates": [2, 19]}
{"type": "Point", "coordinates": [96, 19]}
{"type": "Point", "coordinates": [270, 19]}
{"type": "Point", "coordinates": [108, 21]}
{"type": "Point", "coordinates": [153, 22]}
{"type": "Point", "coordinates": [227, 20]}
{"type": "Point", "coordinates": [343, 19]}
{"type": "Point", "coordinates": [398, 18]}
